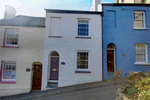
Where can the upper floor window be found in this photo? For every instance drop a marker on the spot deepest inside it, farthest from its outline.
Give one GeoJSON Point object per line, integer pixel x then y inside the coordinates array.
{"type": "Point", "coordinates": [8, 71]}
{"type": "Point", "coordinates": [139, 19]}
{"type": "Point", "coordinates": [11, 37]}
{"type": "Point", "coordinates": [83, 27]}
{"type": "Point", "coordinates": [141, 53]}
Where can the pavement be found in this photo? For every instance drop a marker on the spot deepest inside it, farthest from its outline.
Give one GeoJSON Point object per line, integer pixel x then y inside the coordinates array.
{"type": "Point", "coordinates": [103, 90]}
{"type": "Point", "coordinates": [99, 93]}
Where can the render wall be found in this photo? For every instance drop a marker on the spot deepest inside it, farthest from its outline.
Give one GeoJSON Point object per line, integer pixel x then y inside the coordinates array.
{"type": "Point", "coordinates": [67, 47]}
{"type": "Point", "coordinates": [31, 46]}
{"type": "Point", "coordinates": [118, 29]}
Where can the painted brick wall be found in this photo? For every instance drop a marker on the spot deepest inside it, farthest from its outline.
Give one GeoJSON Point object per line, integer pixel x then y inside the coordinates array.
{"type": "Point", "coordinates": [124, 37]}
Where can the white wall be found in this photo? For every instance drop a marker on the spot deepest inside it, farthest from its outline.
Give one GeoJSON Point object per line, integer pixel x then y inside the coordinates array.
{"type": "Point", "coordinates": [31, 45]}
{"type": "Point", "coordinates": [67, 46]}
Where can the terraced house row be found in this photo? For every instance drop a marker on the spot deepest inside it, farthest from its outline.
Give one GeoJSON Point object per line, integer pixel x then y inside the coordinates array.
{"type": "Point", "coordinates": [69, 47]}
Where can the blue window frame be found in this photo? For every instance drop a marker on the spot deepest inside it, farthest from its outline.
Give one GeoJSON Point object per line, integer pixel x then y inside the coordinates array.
{"type": "Point", "coordinates": [83, 27]}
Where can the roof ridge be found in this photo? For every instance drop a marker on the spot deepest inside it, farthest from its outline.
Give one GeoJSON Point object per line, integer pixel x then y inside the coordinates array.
{"type": "Point", "coordinates": [29, 16]}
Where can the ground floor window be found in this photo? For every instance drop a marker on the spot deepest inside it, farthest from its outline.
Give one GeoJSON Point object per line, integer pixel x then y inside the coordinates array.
{"type": "Point", "coordinates": [141, 53]}
{"type": "Point", "coordinates": [8, 71]}
{"type": "Point", "coordinates": [82, 60]}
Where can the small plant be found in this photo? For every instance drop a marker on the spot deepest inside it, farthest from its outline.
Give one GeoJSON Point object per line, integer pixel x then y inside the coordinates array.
{"type": "Point", "coordinates": [119, 76]}
{"type": "Point", "coordinates": [132, 92]}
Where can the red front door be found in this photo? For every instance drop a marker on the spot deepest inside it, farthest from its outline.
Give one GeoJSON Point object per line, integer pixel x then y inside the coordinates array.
{"type": "Point", "coordinates": [110, 60]}
{"type": "Point", "coordinates": [37, 77]}
{"type": "Point", "coordinates": [54, 68]}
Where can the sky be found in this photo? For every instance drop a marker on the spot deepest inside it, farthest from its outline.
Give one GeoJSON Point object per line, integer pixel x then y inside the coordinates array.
{"type": "Point", "coordinates": [36, 7]}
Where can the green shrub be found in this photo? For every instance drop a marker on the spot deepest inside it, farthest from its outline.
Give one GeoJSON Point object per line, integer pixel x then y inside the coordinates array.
{"type": "Point", "coordinates": [135, 78]}
{"type": "Point", "coordinates": [143, 88]}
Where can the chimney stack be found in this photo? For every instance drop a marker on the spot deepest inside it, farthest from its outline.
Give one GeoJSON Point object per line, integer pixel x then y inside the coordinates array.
{"type": "Point", "coordinates": [95, 4]}
{"type": "Point", "coordinates": [10, 12]}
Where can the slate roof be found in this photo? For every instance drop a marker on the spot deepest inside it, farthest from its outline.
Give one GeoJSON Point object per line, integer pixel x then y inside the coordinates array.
{"type": "Point", "coordinates": [26, 21]}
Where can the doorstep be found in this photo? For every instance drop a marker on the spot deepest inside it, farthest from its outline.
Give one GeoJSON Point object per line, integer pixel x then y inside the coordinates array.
{"type": "Point", "coordinates": [60, 90]}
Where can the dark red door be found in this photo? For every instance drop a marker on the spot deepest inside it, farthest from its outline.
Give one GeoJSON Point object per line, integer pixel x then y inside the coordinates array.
{"type": "Point", "coordinates": [54, 68]}
{"type": "Point", "coordinates": [110, 60]}
{"type": "Point", "coordinates": [37, 77]}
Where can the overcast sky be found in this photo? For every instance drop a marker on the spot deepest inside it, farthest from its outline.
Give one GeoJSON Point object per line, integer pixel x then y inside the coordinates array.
{"type": "Point", "coordinates": [36, 7]}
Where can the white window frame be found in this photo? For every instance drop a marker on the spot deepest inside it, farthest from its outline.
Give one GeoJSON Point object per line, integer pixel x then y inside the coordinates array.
{"type": "Point", "coordinates": [6, 32]}
{"type": "Point", "coordinates": [88, 60]}
{"type": "Point", "coordinates": [139, 19]}
{"type": "Point", "coordinates": [146, 54]}
{"type": "Point", "coordinates": [86, 19]}
{"type": "Point", "coordinates": [8, 80]}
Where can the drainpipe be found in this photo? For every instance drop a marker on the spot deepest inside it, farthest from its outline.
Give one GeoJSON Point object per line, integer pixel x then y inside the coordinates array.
{"type": "Point", "coordinates": [102, 48]}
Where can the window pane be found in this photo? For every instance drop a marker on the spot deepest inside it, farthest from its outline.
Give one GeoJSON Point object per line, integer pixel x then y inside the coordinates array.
{"type": "Point", "coordinates": [83, 34]}
{"type": "Point", "coordinates": [138, 15]}
{"type": "Point", "coordinates": [9, 67]}
{"type": "Point", "coordinates": [13, 72]}
{"type": "Point", "coordinates": [139, 23]}
{"type": "Point", "coordinates": [86, 66]}
{"type": "Point", "coordinates": [140, 52]}
{"type": "Point", "coordinates": [9, 73]}
{"type": "Point", "coordinates": [78, 66]}
{"type": "Point", "coordinates": [83, 28]}
{"type": "Point", "coordinates": [83, 25]}
{"type": "Point", "coordinates": [82, 54]}
{"type": "Point", "coordinates": [4, 72]}
{"type": "Point", "coordinates": [13, 77]}
{"type": "Point", "coordinates": [13, 67]}
{"type": "Point", "coordinates": [82, 62]}
{"type": "Point", "coordinates": [54, 54]}
{"type": "Point", "coordinates": [12, 37]}
{"type": "Point", "coordinates": [82, 66]}
{"type": "Point", "coordinates": [9, 70]}
{"type": "Point", "coordinates": [4, 76]}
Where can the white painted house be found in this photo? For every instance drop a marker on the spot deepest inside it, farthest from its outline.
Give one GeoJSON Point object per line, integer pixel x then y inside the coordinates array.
{"type": "Point", "coordinates": [72, 48]}
{"type": "Point", "coordinates": [21, 49]}
{"type": "Point", "coordinates": [62, 50]}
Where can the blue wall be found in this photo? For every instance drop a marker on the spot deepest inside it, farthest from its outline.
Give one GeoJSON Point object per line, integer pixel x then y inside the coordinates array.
{"type": "Point", "coordinates": [118, 29]}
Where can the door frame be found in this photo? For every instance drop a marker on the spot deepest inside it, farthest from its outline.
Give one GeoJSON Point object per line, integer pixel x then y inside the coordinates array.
{"type": "Point", "coordinates": [114, 59]}
{"type": "Point", "coordinates": [32, 70]}
{"type": "Point", "coordinates": [49, 65]}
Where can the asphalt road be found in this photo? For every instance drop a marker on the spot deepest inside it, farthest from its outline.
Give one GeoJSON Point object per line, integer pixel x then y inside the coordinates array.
{"type": "Point", "coordinates": [101, 93]}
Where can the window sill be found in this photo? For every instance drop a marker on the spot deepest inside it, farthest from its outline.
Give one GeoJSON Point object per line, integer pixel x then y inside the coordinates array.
{"type": "Point", "coordinates": [83, 37]}
{"type": "Point", "coordinates": [8, 82]}
{"type": "Point", "coordinates": [140, 28]}
{"type": "Point", "coordinates": [77, 71]}
{"type": "Point", "coordinates": [54, 36]}
{"type": "Point", "coordinates": [146, 64]}
{"type": "Point", "coordinates": [10, 46]}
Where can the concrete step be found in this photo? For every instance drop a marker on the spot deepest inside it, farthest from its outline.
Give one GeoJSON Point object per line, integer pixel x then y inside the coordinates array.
{"type": "Point", "coordinates": [52, 84]}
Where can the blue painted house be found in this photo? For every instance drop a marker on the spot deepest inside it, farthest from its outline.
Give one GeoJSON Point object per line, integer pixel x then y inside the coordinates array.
{"type": "Point", "coordinates": [126, 38]}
